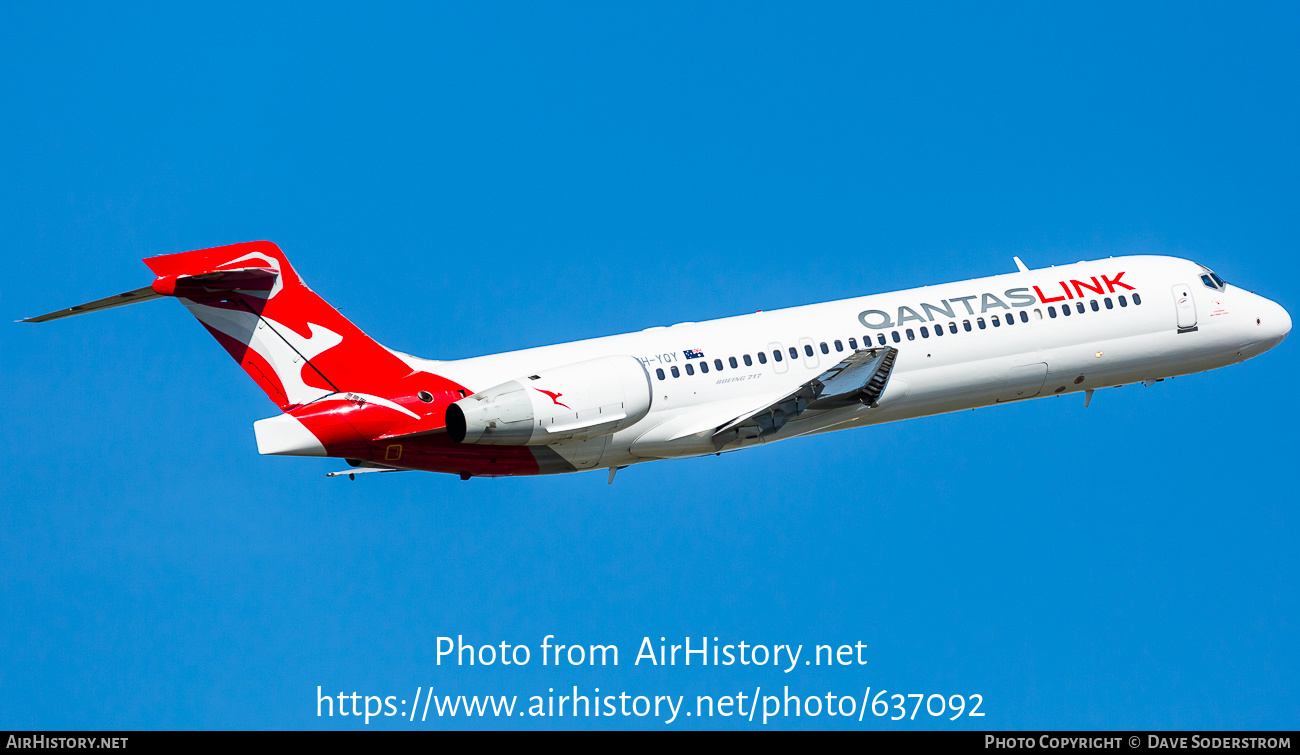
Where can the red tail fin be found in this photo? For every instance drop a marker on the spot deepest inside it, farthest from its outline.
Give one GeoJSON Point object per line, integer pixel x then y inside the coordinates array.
{"type": "Point", "coordinates": [290, 341]}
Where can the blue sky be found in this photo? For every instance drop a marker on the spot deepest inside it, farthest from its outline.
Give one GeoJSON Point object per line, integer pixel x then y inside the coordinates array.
{"type": "Point", "coordinates": [460, 180]}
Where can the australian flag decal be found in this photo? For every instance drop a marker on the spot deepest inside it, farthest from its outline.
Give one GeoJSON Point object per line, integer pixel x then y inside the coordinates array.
{"type": "Point", "coordinates": [693, 354]}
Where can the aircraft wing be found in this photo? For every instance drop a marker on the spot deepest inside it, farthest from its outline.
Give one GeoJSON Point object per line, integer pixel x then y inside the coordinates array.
{"type": "Point", "coordinates": [860, 378]}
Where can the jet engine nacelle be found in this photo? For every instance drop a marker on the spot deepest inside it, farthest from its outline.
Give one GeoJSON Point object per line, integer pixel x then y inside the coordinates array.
{"type": "Point", "coordinates": [574, 402]}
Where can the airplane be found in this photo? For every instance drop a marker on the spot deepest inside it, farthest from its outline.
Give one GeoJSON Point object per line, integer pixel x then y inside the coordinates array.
{"type": "Point", "coordinates": [699, 388]}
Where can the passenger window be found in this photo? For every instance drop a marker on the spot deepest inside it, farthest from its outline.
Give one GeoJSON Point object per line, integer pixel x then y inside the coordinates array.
{"type": "Point", "coordinates": [897, 339]}
{"type": "Point", "coordinates": [1051, 312]}
{"type": "Point", "coordinates": [910, 335]}
{"type": "Point", "coordinates": [1065, 310]}
{"type": "Point", "coordinates": [732, 361]}
{"type": "Point", "coordinates": [1010, 318]}
{"type": "Point", "coordinates": [807, 349]}
{"type": "Point", "coordinates": [996, 322]}
{"type": "Point", "coordinates": [938, 329]}
{"type": "Point", "coordinates": [1024, 316]}
{"type": "Point", "coordinates": [717, 364]}
{"type": "Point", "coordinates": [952, 327]}
{"type": "Point", "coordinates": [793, 354]}
{"type": "Point", "coordinates": [839, 346]}
{"type": "Point", "coordinates": [1122, 301]}
{"type": "Point", "coordinates": [980, 322]}
{"type": "Point", "coordinates": [762, 357]}
{"type": "Point", "coordinates": [676, 373]}
{"type": "Point", "coordinates": [1079, 305]}
{"type": "Point", "coordinates": [853, 344]}
{"type": "Point", "coordinates": [880, 338]}
{"type": "Point", "coordinates": [825, 349]}
{"type": "Point", "coordinates": [1095, 306]}
{"type": "Point", "coordinates": [1109, 304]}
{"type": "Point", "coordinates": [1137, 299]}
{"type": "Point", "coordinates": [660, 373]}
{"type": "Point", "coordinates": [748, 362]}
{"type": "Point", "coordinates": [966, 324]}
{"type": "Point", "coordinates": [690, 369]}
{"type": "Point", "coordinates": [776, 354]}
{"type": "Point", "coordinates": [925, 333]}
{"type": "Point", "coordinates": [704, 367]}
{"type": "Point", "coordinates": [1038, 313]}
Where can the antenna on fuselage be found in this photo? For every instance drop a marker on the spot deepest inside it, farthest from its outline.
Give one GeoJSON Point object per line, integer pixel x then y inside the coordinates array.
{"type": "Point", "coordinates": [1020, 265]}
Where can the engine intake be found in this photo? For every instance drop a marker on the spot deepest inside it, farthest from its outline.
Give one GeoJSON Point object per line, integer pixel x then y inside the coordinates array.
{"type": "Point", "coordinates": [574, 402]}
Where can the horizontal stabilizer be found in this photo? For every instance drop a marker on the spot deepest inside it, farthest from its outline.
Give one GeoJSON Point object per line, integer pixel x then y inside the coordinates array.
{"type": "Point", "coordinates": [129, 297]}
{"type": "Point", "coordinates": [209, 286]}
{"type": "Point", "coordinates": [363, 467]}
{"type": "Point", "coordinates": [352, 473]}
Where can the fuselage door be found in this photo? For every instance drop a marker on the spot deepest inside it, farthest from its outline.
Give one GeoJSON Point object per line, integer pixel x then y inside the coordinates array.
{"type": "Point", "coordinates": [1186, 308]}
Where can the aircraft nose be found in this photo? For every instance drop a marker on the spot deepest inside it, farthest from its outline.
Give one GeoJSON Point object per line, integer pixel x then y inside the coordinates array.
{"type": "Point", "coordinates": [1273, 322]}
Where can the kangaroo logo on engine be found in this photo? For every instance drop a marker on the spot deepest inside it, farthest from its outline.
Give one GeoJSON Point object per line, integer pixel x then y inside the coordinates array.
{"type": "Point", "coordinates": [555, 397]}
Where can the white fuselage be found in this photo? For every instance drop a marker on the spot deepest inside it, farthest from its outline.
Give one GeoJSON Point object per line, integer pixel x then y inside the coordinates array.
{"type": "Point", "coordinates": [980, 358]}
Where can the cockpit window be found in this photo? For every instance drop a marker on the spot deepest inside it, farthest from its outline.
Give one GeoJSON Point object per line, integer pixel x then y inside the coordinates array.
{"type": "Point", "coordinates": [1212, 281]}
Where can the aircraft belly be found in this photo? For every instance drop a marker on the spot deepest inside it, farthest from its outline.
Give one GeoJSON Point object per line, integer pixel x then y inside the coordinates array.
{"type": "Point", "coordinates": [691, 445]}
{"type": "Point", "coordinates": [585, 454]}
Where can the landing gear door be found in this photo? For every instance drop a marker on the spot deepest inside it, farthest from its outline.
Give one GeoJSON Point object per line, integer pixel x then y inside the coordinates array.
{"type": "Point", "coordinates": [1025, 381]}
{"type": "Point", "coordinates": [1186, 308]}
